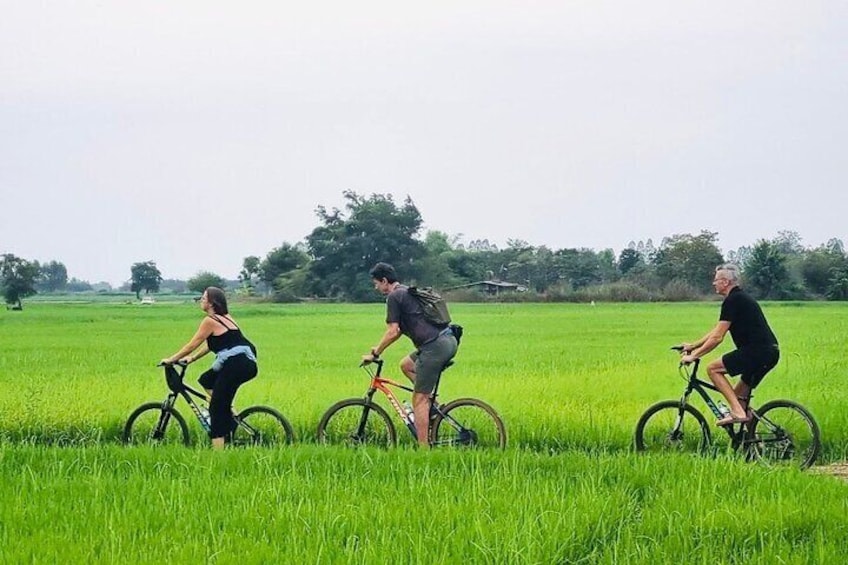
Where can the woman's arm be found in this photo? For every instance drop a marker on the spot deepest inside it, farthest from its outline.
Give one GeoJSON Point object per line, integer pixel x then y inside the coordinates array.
{"type": "Point", "coordinates": [198, 353]}
{"type": "Point", "coordinates": [203, 331]}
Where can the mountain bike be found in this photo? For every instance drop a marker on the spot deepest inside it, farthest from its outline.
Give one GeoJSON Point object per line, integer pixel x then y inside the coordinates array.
{"type": "Point", "coordinates": [780, 432]}
{"type": "Point", "coordinates": [160, 422]}
{"type": "Point", "coordinates": [465, 422]}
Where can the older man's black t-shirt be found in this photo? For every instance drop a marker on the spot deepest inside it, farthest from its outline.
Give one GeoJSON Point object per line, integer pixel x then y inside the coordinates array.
{"type": "Point", "coordinates": [748, 325]}
{"type": "Point", "coordinates": [403, 309]}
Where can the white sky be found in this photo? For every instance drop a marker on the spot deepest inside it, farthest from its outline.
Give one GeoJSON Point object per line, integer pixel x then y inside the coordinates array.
{"type": "Point", "coordinates": [197, 133]}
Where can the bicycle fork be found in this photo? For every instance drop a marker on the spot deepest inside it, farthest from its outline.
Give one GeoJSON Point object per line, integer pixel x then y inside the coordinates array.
{"type": "Point", "coordinates": [158, 432]}
{"type": "Point", "coordinates": [676, 432]}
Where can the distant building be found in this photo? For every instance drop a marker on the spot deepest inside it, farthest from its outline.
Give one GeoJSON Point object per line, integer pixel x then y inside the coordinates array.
{"type": "Point", "coordinates": [491, 287]}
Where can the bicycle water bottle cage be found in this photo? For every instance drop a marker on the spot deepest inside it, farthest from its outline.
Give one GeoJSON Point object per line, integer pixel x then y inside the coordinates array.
{"type": "Point", "coordinates": [174, 379]}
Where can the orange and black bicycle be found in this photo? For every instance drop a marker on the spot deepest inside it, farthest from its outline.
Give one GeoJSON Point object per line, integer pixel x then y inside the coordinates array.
{"type": "Point", "coordinates": [464, 423]}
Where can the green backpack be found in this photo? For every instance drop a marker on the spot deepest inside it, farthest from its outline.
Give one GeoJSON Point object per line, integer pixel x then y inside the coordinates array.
{"type": "Point", "coordinates": [433, 306]}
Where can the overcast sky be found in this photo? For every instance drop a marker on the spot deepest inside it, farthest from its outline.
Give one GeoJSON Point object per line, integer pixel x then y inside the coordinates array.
{"type": "Point", "coordinates": [195, 134]}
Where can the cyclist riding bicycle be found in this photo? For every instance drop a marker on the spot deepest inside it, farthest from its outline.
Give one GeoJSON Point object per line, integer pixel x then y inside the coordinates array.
{"type": "Point", "coordinates": [235, 361]}
{"type": "Point", "coordinates": [435, 346]}
{"type": "Point", "coordinates": [756, 346]}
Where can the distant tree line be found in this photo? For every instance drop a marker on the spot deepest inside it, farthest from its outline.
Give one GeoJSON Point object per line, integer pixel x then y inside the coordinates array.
{"type": "Point", "coordinates": [332, 262]}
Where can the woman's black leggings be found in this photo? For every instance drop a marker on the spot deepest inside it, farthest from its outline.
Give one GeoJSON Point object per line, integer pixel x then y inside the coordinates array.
{"type": "Point", "coordinates": [224, 384]}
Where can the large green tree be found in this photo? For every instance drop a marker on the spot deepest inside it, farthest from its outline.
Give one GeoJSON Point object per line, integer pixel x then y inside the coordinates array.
{"type": "Point", "coordinates": [284, 271]}
{"type": "Point", "coordinates": [203, 280]}
{"type": "Point", "coordinates": [579, 268]}
{"type": "Point", "coordinates": [249, 272]}
{"type": "Point", "coordinates": [145, 276]}
{"type": "Point", "coordinates": [439, 250]}
{"type": "Point", "coordinates": [52, 277]}
{"type": "Point", "coordinates": [17, 279]}
{"type": "Point", "coordinates": [766, 274]}
{"type": "Point", "coordinates": [689, 259]}
{"type": "Point", "coordinates": [628, 259]}
{"type": "Point", "coordinates": [838, 288]}
{"type": "Point", "coordinates": [347, 244]}
{"type": "Point", "coordinates": [282, 260]}
{"type": "Point", "coordinates": [818, 267]}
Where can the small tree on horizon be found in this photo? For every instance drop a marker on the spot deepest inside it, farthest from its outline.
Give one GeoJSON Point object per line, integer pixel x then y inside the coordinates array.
{"type": "Point", "coordinates": [145, 276]}
{"type": "Point", "coordinates": [17, 279]}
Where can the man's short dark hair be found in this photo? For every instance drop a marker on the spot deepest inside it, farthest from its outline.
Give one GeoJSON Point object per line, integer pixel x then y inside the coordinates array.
{"type": "Point", "coordinates": [382, 271]}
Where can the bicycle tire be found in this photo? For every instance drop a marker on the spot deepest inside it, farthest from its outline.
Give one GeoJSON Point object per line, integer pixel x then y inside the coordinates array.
{"type": "Point", "coordinates": [785, 433]}
{"type": "Point", "coordinates": [468, 422]}
{"type": "Point", "coordinates": [142, 423]}
{"type": "Point", "coordinates": [356, 421]}
{"type": "Point", "coordinates": [261, 426]}
{"type": "Point", "coordinates": [657, 430]}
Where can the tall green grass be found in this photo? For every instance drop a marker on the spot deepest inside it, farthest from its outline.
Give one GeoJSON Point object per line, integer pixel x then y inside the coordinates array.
{"type": "Point", "coordinates": [563, 376]}
{"type": "Point", "coordinates": [316, 504]}
{"type": "Point", "coordinates": [569, 380]}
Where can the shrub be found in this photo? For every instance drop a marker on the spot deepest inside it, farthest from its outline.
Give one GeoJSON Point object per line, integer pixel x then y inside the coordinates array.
{"type": "Point", "coordinates": [615, 292]}
{"type": "Point", "coordinates": [680, 291]}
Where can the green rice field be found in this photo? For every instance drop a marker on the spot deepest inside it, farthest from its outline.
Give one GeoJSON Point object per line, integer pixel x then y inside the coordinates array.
{"type": "Point", "coordinates": [570, 382]}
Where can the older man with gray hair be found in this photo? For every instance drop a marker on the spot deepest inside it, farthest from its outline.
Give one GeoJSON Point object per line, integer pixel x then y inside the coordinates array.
{"type": "Point", "coordinates": [756, 346]}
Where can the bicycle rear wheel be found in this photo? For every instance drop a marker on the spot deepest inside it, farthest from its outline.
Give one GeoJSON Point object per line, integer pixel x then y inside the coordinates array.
{"type": "Point", "coordinates": [356, 421]}
{"type": "Point", "coordinates": [784, 433]}
{"type": "Point", "coordinates": [261, 426]}
{"type": "Point", "coordinates": [667, 427]}
{"type": "Point", "coordinates": [151, 424]}
{"type": "Point", "coordinates": [467, 422]}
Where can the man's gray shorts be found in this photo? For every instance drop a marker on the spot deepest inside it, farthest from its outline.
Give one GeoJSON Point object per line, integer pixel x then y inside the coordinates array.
{"type": "Point", "coordinates": [430, 360]}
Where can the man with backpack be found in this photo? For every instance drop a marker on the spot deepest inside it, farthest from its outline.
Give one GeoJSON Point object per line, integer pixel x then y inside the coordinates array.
{"type": "Point", "coordinates": [432, 336]}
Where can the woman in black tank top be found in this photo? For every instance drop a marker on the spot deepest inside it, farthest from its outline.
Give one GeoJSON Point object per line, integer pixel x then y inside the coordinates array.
{"type": "Point", "coordinates": [235, 363]}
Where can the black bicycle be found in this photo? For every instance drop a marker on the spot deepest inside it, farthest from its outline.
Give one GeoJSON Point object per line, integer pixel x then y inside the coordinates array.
{"type": "Point", "coordinates": [160, 423]}
{"type": "Point", "coordinates": [780, 432]}
{"type": "Point", "coordinates": [465, 422]}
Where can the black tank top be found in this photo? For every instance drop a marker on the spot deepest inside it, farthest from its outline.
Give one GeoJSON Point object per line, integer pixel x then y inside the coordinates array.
{"type": "Point", "coordinates": [229, 339]}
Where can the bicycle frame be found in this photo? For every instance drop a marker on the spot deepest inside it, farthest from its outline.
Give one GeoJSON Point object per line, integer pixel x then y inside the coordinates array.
{"type": "Point", "coordinates": [179, 389]}
{"type": "Point", "coordinates": [695, 384]}
{"type": "Point", "coordinates": [385, 385]}
{"type": "Point", "coordinates": [698, 385]}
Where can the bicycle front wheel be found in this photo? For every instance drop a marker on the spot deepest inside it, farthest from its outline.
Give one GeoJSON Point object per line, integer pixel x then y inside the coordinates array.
{"type": "Point", "coordinates": [261, 426]}
{"type": "Point", "coordinates": [356, 422]}
{"type": "Point", "coordinates": [784, 433]}
{"type": "Point", "coordinates": [467, 422]}
{"type": "Point", "coordinates": [153, 424]}
{"type": "Point", "coordinates": [668, 427]}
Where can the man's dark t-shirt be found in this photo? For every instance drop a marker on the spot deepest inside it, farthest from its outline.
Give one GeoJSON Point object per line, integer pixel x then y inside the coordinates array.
{"type": "Point", "coordinates": [748, 325]}
{"type": "Point", "coordinates": [403, 309]}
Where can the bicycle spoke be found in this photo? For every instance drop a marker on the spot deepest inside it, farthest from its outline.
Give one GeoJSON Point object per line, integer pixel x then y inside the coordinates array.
{"type": "Point", "coordinates": [151, 425]}
{"type": "Point", "coordinates": [665, 428]}
{"type": "Point", "coordinates": [261, 426]}
{"type": "Point", "coordinates": [355, 423]}
{"type": "Point", "coordinates": [785, 434]}
{"type": "Point", "coordinates": [468, 423]}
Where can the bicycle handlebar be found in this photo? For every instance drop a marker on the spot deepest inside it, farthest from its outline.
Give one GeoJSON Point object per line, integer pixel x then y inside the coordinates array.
{"type": "Point", "coordinates": [181, 363]}
{"type": "Point", "coordinates": [695, 363]}
{"type": "Point", "coordinates": [378, 361]}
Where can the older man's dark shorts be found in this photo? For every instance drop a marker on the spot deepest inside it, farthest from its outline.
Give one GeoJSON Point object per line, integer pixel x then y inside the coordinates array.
{"type": "Point", "coordinates": [751, 362]}
{"type": "Point", "coordinates": [430, 359]}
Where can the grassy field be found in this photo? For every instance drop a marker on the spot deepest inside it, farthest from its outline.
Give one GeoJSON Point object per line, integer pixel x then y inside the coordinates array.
{"type": "Point", "coordinates": [569, 380]}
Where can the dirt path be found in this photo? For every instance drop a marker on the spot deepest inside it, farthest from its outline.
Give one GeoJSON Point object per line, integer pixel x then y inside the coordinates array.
{"type": "Point", "coordinates": [836, 469]}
